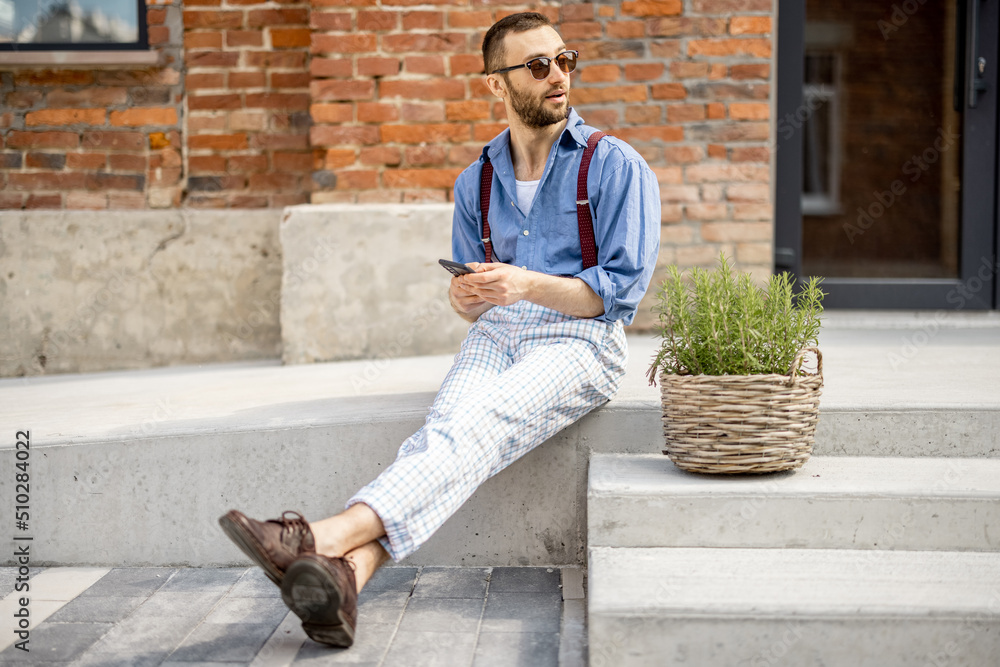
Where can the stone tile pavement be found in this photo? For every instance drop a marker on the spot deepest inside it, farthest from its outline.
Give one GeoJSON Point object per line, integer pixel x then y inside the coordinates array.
{"type": "Point", "coordinates": [408, 617]}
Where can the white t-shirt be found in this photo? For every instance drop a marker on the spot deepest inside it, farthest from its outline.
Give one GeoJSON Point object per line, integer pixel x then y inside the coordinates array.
{"type": "Point", "coordinates": [526, 194]}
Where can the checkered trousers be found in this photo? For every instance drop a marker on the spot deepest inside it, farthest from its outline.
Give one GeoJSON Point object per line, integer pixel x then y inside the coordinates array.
{"type": "Point", "coordinates": [523, 373]}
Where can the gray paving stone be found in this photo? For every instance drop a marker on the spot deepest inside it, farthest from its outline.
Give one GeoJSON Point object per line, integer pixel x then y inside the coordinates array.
{"type": "Point", "coordinates": [381, 607]}
{"type": "Point", "coordinates": [57, 642]}
{"type": "Point", "coordinates": [517, 649]}
{"type": "Point", "coordinates": [223, 642]}
{"type": "Point", "coordinates": [8, 579]}
{"type": "Point", "coordinates": [202, 663]}
{"type": "Point", "coordinates": [392, 579]}
{"type": "Point", "coordinates": [147, 633]}
{"type": "Point", "coordinates": [203, 580]}
{"type": "Point", "coordinates": [522, 612]}
{"type": "Point", "coordinates": [265, 611]}
{"type": "Point", "coordinates": [126, 582]}
{"type": "Point", "coordinates": [442, 615]}
{"type": "Point", "coordinates": [177, 604]}
{"type": "Point", "coordinates": [137, 659]}
{"type": "Point", "coordinates": [525, 579]}
{"type": "Point", "coordinates": [97, 609]}
{"type": "Point", "coordinates": [255, 584]}
{"type": "Point", "coordinates": [452, 582]}
{"type": "Point", "coordinates": [370, 643]}
{"type": "Point", "coordinates": [430, 649]}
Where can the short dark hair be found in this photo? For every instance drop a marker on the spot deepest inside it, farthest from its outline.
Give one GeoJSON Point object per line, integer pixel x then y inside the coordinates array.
{"type": "Point", "coordinates": [493, 49]}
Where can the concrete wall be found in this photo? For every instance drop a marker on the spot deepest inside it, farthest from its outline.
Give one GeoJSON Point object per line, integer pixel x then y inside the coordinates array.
{"type": "Point", "coordinates": [93, 291]}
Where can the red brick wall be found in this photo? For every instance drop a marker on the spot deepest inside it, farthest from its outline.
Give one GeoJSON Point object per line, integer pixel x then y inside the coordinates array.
{"type": "Point", "coordinates": [383, 101]}
{"type": "Point", "coordinates": [95, 139]}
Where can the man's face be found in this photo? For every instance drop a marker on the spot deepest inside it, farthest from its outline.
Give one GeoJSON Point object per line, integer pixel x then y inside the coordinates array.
{"type": "Point", "coordinates": [537, 103]}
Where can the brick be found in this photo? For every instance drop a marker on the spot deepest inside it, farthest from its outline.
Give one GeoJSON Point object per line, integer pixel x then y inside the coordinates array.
{"type": "Point", "coordinates": [583, 11]}
{"type": "Point", "coordinates": [337, 21]}
{"type": "Point", "coordinates": [284, 141]}
{"type": "Point", "coordinates": [290, 79]}
{"type": "Point", "coordinates": [336, 158]}
{"type": "Point", "coordinates": [603, 117]}
{"type": "Point", "coordinates": [423, 113]}
{"type": "Point", "coordinates": [580, 30]}
{"type": "Point", "coordinates": [199, 122]}
{"type": "Point", "coordinates": [381, 155]}
{"type": "Point", "coordinates": [750, 71]}
{"type": "Point", "coordinates": [681, 113]}
{"type": "Point", "coordinates": [415, 134]}
{"type": "Point", "coordinates": [202, 39]}
{"type": "Point", "coordinates": [333, 89]}
{"type": "Point", "coordinates": [211, 59]}
{"type": "Point", "coordinates": [676, 234]}
{"type": "Point", "coordinates": [45, 160]}
{"type": "Point", "coordinates": [290, 38]}
{"type": "Point", "coordinates": [445, 89]}
{"type": "Point", "coordinates": [247, 120]}
{"type": "Point", "coordinates": [87, 97]}
{"type": "Point", "coordinates": [717, 152]}
{"type": "Point", "coordinates": [202, 18]}
{"type": "Point", "coordinates": [336, 135]}
{"type": "Point", "coordinates": [344, 3]}
{"type": "Point", "coordinates": [237, 38]}
{"type": "Point", "coordinates": [292, 162]}
{"type": "Point", "coordinates": [237, 141]}
{"type": "Point", "coordinates": [9, 200]}
{"type": "Point", "coordinates": [715, 173]}
{"type": "Point", "coordinates": [420, 178]}
{"type": "Point", "coordinates": [469, 19]}
{"type": "Point", "coordinates": [642, 133]}
{"type": "Point", "coordinates": [253, 79]}
{"type": "Point", "coordinates": [716, 111]}
{"type": "Point", "coordinates": [18, 139]}
{"type": "Point", "coordinates": [126, 200]}
{"type": "Point", "coordinates": [680, 193]}
{"type": "Point", "coordinates": [673, 175]}
{"type": "Point", "coordinates": [479, 89]}
{"type": "Point", "coordinates": [625, 29]}
{"type": "Point", "coordinates": [643, 71]}
{"type": "Point", "coordinates": [424, 65]}
{"type": "Point", "coordinates": [751, 154]}
{"type": "Point", "coordinates": [250, 201]}
{"type": "Point", "coordinates": [422, 20]}
{"type": "Point", "coordinates": [757, 48]}
{"type": "Point", "coordinates": [331, 67]}
{"type": "Point", "coordinates": [46, 181]}
{"type": "Point", "coordinates": [127, 162]}
{"type": "Point", "coordinates": [464, 155]}
{"type": "Point", "coordinates": [610, 94]}
{"type": "Point", "coordinates": [377, 112]}
{"type": "Point", "coordinates": [706, 211]}
{"type": "Point", "coordinates": [378, 66]}
{"type": "Point", "coordinates": [105, 181]}
{"type": "Point", "coordinates": [158, 35]}
{"type": "Point", "coordinates": [750, 25]}
{"type": "Point", "coordinates": [350, 43]}
{"type": "Point", "coordinates": [667, 49]}
{"type": "Point", "coordinates": [468, 110]}
{"type": "Point", "coordinates": [748, 192]}
{"type": "Point", "coordinates": [357, 179]}
{"type": "Point", "coordinates": [484, 132]}
{"type": "Point", "coordinates": [600, 73]}
{"type": "Point", "coordinates": [332, 113]}
{"type": "Point", "coordinates": [712, 192]}
{"type": "Point", "coordinates": [265, 18]}
{"type": "Point", "coordinates": [465, 63]}
{"type": "Point", "coordinates": [156, 16]}
{"type": "Point", "coordinates": [227, 101]}
{"type": "Point", "coordinates": [643, 114]}
{"type": "Point", "coordinates": [426, 156]}
{"type": "Point", "coordinates": [686, 27]}
{"type": "Point", "coordinates": [207, 164]}
{"type": "Point", "coordinates": [277, 101]}
{"type": "Point", "coordinates": [114, 140]}
{"type": "Point", "coordinates": [201, 81]}
{"type": "Point", "coordinates": [86, 201]}
{"type": "Point", "coordinates": [36, 201]}
{"type": "Point", "coordinates": [719, 232]}
{"type": "Point", "coordinates": [749, 111]}
{"type": "Point", "coordinates": [48, 77]}
{"type": "Point", "coordinates": [23, 99]}
{"type": "Point", "coordinates": [245, 164]}
{"type": "Point", "coordinates": [668, 91]}
{"type": "Point", "coordinates": [730, 6]}
{"type": "Point", "coordinates": [272, 182]}
{"type": "Point", "coordinates": [85, 160]}
{"type": "Point", "coordinates": [450, 42]}
{"type": "Point", "coordinates": [688, 70]}
{"type": "Point", "coordinates": [652, 7]}
{"type": "Point", "coordinates": [729, 132]}
{"type": "Point", "coordinates": [65, 117]}
{"type": "Point", "coordinates": [752, 212]}
{"type": "Point", "coordinates": [377, 20]}
{"type": "Point", "coordinates": [754, 253]}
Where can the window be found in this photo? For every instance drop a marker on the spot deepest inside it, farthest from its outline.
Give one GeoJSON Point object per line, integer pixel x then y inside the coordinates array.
{"type": "Point", "coordinates": [63, 25]}
{"type": "Point", "coordinates": [821, 141]}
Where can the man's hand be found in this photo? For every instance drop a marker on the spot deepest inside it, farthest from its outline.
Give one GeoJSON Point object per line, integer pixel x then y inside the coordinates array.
{"type": "Point", "coordinates": [464, 300]}
{"type": "Point", "coordinates": [498, 284]}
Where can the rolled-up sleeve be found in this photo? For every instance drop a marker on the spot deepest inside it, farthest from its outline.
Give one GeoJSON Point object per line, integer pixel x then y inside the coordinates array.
{"type": "Point", "coordinates": [627, 231]}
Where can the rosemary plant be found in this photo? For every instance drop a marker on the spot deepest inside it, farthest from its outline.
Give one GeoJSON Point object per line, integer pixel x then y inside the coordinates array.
{"type": "Point", "coordinates": [721, 323]}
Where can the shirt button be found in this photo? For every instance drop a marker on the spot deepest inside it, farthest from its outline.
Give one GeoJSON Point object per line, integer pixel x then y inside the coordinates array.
{"type": "Point", "coordinates": [525, 232]}
{"type": "Point", "coordinates": [524, 268]}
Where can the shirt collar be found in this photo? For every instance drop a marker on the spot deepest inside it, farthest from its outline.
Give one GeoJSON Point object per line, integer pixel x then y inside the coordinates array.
{"type": "Point", "coordinates": [573, 130]}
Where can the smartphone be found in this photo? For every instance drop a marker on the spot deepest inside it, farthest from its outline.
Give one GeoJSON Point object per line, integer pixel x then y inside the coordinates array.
{"type": "Point", "coordinates": [455, 267]}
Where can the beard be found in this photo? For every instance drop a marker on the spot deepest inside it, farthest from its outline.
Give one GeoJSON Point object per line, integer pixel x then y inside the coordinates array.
{"type": "Point", "coordinates": [532, 111]}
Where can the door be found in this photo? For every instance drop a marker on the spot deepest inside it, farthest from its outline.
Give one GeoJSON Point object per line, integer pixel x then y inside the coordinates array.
{"type": "Point", "coordinates": [886, 145]}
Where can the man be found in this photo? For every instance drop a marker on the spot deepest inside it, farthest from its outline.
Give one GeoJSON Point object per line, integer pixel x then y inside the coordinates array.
{"type": "Point", "coordinates": [545, 347]}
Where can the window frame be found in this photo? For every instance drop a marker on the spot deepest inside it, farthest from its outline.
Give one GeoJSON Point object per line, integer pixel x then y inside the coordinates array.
{"type": "Point", "coordinates": [141, 44]}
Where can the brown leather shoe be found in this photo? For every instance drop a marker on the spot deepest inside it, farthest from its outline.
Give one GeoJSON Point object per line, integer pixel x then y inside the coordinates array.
{"type": "Point", "coordinates": [271, 544]}
{"type": "Point", "coordinates": [323, 593]}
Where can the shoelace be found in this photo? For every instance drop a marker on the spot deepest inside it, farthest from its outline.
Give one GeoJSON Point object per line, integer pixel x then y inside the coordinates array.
{"type": "Point", "coordinates": [289, 526]}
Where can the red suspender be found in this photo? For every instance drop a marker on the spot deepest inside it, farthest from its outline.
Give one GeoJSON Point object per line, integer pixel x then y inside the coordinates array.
{"type": "Point", "coordinates": [588, 247]}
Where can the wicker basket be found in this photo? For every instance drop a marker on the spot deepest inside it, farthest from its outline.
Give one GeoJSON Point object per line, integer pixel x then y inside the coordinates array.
{"type": "Point", "coordinates": [727, 424]}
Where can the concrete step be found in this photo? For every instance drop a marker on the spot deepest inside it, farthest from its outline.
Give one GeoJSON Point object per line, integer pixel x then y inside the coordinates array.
{"type": "Point", "coordinates": [134, 467]}
{"type": "Point", "coordinates": [803, 607]}
{"type": "Point", "coordinates": [831, 502]}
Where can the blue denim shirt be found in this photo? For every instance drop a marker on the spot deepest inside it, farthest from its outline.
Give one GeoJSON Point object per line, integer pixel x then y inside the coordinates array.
{"type": "Point", "coordinates": [624, 196]}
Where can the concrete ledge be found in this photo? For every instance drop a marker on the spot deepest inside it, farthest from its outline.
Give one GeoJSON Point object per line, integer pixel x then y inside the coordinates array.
{"type": "Point", "coordinates": [363, 282]}
{"type": "Point", "coordinates": [830, 503]}
{"type": "Point", "coordinates": [725, 607]}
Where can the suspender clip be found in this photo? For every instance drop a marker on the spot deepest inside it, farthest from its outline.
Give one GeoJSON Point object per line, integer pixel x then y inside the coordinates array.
{"type": "Point", "coordinates": [487, 240]}
{"type": "Point", "coordinates": [582, 202]}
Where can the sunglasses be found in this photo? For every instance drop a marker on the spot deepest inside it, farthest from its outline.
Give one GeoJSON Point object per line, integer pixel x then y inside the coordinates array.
{"type": "Point", "coordinates": [540, 67]}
